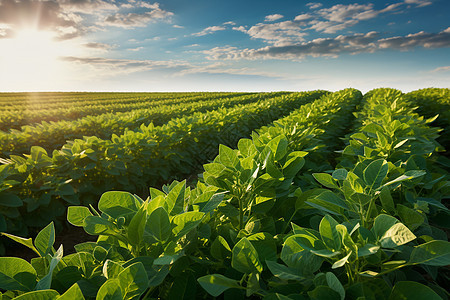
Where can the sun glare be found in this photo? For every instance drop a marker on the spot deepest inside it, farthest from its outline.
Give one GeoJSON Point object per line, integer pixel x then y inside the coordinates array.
{"type": "Point", "coordinates": [29, 61]}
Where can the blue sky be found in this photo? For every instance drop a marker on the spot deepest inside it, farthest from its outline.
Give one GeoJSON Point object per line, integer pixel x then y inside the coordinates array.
{"type": "Point", "coordinates": [174, 45]}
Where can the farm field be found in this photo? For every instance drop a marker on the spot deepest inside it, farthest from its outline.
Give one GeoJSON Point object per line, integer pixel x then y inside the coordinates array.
{"type": "Point", "coordinates": [281, 195]}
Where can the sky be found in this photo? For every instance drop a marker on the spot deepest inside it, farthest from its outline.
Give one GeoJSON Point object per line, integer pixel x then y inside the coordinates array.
{"type": "Point", "coordinates": [199, 45]}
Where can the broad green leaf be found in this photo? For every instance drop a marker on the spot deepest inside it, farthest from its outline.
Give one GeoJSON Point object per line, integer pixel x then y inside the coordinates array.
{"type": "Point", "coordinates": [46, 282]}
{"type": "Point", "coordinates": [246, 147]}
{"type": "Point", "coordinates": [10, 200]}
{"type": "Point", "coordinates": [375, 173]}
{"type": "Point", "coordinates": [185, 222]}
{"type": "Point", "coordinates": [411, 290]}
{"type": "Point", "coordinates": [382, 223]}
{"type": "Point", "coordinates": [215, 169]}
{"type": "Point", "coordinates": [228, 156]}
{"type": "Point", "coordinates": [216, 284]}
{"type": "Point", "coordinates": [433, 253]}
{"type": "Point", "coordinates": [410, 217]}
{"type": "Point", "coordinates": [325, 180]}
{"type": "Point", "coordinates": [77, 214]}
{"type": "Point", "coordinates": [26, 242]}
{"type": "Point", "coordinates": [339, 174]}
{"type": "Point", "coordinates": [245, 257]}
{"type": "Point", "coordinates": [407, 176]}
{"type": "Point", "coordinates": [368, 249]}
{"type": "Point", "coordinates": [397, 235]}
{"type": "Point", "coordinates": [98, 226]}
{"type": "Point", "coordinates": [279, 147]}
{"type": "Point", "coordinates": [341, 262]}
{"type": "Point", "coordinates": [184, 287]}
{"type": "Point", "coordinates": [118, 204]}
{"type": "Point", "coordinates": [283, 272]}
{"type": "Point", "coordinates": [386, 200]}
{"type": "Point", "coordinates": [175, 198]}
{"type": "Point", "coordinates": [334, 283]}
{"type": "Point", "coordinates": [136, 228]}
{"type": "Point", "coordinates": [265, 245]}
{"type": "Point", "coordinates": [74, 292]}
{"type": "Point", "coordinates": [110, 290]}
{"type": "Point", "coordinates": [213, 203]}
{"type": "Point", "coordinates": [133, 281]}
{"type": "Point", "coordinates": [111, 269]}
{"type": "Point", "coordinates": [16, 274]}
{"type": "Point", "coordinates": [323, 293]}
{"type": "Point", "coordinates": [39, 295]}
{"type": "Point", "coordinates": [329, 234]}
{"type": "Point", "coordinates": [158, 224]}
{"type": "Point", "coordinates": [220, 248]}
{"type": "Point", "coordinates": [45, 239]}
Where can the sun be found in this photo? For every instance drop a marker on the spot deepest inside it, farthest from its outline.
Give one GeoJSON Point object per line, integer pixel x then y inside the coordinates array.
{"type": "Point", "coordinates": [29, 60]}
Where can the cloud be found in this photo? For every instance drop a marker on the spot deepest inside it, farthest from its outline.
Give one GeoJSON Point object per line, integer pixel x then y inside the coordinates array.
{"type": "Point", "coordinates": [229, 23]}
{"type": "Point", "coordinates": [333, 47]}
{"type": "Point", "coordinates": [441, 69]}
{"type": "Point", "coordinates": [314, 5]}
{"type": "Point", "coordinates": [132, 20]}
{"type": "Point", "coordinates": [278, 34]}
{"type": "Point", "coordinates": [274, 17]}
{"type": "Point", "coordinates": [86, 6]}
{"type": "Point", "coordinates": [177, 26]}
{"type": "Point", "coordinates": [99, 46]}
{"type": "Point", "coordinates": [302, 17]}
{"type": "Point", "coordinates": [419, 3]}
{"type": "Point", "coordinates": [420, 39]}
{"type": "Point", "coordinates": [209, 30]}
{"type": "Point", "coordinates": [221, 68]}
{"type": "Point", "coordinates": [136, 49]}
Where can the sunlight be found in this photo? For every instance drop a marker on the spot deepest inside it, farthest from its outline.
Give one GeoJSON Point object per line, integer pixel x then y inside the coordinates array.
{"type": "Point", "coordinates": [30, 60]}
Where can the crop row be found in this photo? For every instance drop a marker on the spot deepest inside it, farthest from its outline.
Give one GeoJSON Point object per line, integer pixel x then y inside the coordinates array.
{"type": "Point", "coordinates": [362, 230]}
{"type": "Point", "coordinates": [53, 135]}
{"type": "Point", "coordinates": [433, 101]}
{"type": "Point", "coordinates": [39, 186]}
{"type": "Point", "coordinates": [15, 119]}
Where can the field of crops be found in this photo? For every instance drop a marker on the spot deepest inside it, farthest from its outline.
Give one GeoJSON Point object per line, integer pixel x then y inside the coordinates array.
{"type": "Point", "coordinates": [283, 195]}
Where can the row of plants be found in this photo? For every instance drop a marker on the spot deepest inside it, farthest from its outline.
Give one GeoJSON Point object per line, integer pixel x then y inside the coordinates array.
{"type": "Point", "coordinates": [31, 114]}
{"type": "Point", "coordinates": [161, 246]}
{"type": "Point", "coordinates": [37, 188]}
{"type": "Point", "coordinates": [434, 101]}
{"type": "Point", "coordinates": [53, 135]}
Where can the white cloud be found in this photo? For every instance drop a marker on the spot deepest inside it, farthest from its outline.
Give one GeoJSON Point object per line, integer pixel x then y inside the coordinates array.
{"type": "Point", "coordinates": [314, 5]}
{"type": "Point", "coordinates": [177, 26]}
{"type": "Point", "coordinates": [99, 46]}
{"type": "Point", "coordinates": [209, 30]}
{"type": "Point", "coordinates": [274, 17]}
{"type": "Point", "coordinates": [278, 34]}
{"type": "Point", "coordinates": [136, 49]}
{"type": "Point", "coordinates": [302, 17]}
{"type": "Point", "coordinates": [132, 20]}
{"type": "Point", "coordinates": [333, 47]}
{"type": "Point", "coordinates": [419, 3]}
{"type": "Point", "coordinates": [229, 23]}
{"type": "Point", "coordinates": [441, 69]}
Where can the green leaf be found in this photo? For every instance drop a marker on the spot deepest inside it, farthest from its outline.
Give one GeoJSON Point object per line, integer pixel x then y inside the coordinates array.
{"type": "Point", "coordinates": [410, 217]}
{"type": "Point", "coordinates": [45, 239]}
{"type": "Point", "coordinates": [10, 200]}
{"type": "Point", "coordinates": [411, 290]}
{"type": "Point", "coordinates": [339, 174]}
{"type": "Point", "coordinates": [175, 198]}
{"type": "Point", "coordinates": [39, 295]}
{"type": "Point", "coordinates": [279, 147]}
{"type": "Point", "coordinates": [136, 228]}
{"type": "Point", "coordinates": [46, 282]}
{"type": "Point", "coordinates": [220, 248]}
{"type": "Point", "coordinates": [341, 262]}
{"type": "Point", "coordinates": [334, 283]}
{"type": "Point", "coordinates": [215, 169]}
{"type": "Point", "coordinates": [110, 290]}
{"type": "Point", "coordinates": [185, 222]}
{"type": "Point", "coordinates": [245, 257]}
{"type": "Point", "coordinates": [433, 253]}
{"type": "Point", "coordinates": [216, 284]}
{"type": "Point", "coordinates": [375, 172]}
{"type": "Point", "coordinates": [323, 293]}
{"type": "Point", "coordinates": [74, 292]}
{"type": "Point", "coordinates": [213, 203]}
{"type": "Point", "coordinates": [16, 274]}
{"type": "Point", "coordinates": [118, 204]}
{"type": "Point", "coordinates": [77, 214]}
{"type": "Point", "coordinates": [158, 224]}
{"type": "Point", "coordinates": [26, 242]}
{"type": "Point", "coordinates": [329, 234]}
{"type": "Point", "coordinates": [382, 223]}
{"type": "Point", "coordinates": [325, 180]}
{"type": "Point", "coordinates": [283, 272]}
{"type": "Point", "coordinates": [386, 200]}
{"type": "Point", "coordinates": [184, 287]}
{"type": "Point", "coordinates": [228, 157]}
{"type": "Point", "coordinates": [397, 235]}
{"type": "Point", "coordinates": [407, 176]}
{"type": "Point", "coordinates": [98, 226]}
{"type": "Point", "coordinates": [111, 269]}
{"type": "Point", "coordinates": [133, 281]}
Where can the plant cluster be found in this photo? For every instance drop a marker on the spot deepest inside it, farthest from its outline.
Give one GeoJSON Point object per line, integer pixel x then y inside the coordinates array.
{"type": "Point", "coordinates": [263, 222]}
